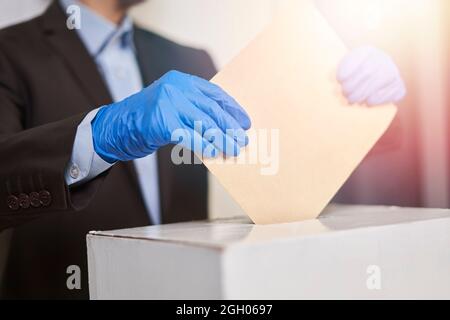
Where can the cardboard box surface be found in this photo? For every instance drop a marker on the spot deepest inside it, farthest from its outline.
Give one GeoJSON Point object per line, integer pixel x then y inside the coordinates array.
{"type": "Point", "coordinates": [348, 253]}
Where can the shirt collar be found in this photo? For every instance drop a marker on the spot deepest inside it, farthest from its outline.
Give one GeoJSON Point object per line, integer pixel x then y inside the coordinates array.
{"type": "Point", "coordinates": [97, 33]}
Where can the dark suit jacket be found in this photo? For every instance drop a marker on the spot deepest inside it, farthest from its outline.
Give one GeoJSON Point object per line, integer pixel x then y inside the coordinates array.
{"type": "Point", "coordinates": [48, 83]}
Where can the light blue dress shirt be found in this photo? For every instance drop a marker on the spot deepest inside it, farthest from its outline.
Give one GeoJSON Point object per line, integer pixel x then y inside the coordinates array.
{"type": "Point", "coordinates": [113, 50]}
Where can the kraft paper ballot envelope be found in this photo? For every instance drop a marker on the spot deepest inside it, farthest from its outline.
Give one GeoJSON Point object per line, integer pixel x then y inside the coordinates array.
{"type": "Point", "coordinates": [286, 80]}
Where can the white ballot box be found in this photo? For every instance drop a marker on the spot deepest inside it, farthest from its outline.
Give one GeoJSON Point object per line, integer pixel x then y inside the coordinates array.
{"type": "Point", "coordinates": [348, 253]}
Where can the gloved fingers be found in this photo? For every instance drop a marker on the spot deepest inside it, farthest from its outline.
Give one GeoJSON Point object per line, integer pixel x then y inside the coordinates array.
{"type": "Point", "coordinates": [354, 87]}
{"type": "Point", "coordinates": [383, 79]}
{"type": "Point", "coordinates": [184, 113]}
{"type": "Point", "coordinates": [222, 118]}
{"type": "Point", "coordinates": [204, 125]}
{"type": "Point", "coordinates": [223, 142]}
{"type": "Point", "coordinates": [228, 103]}
{"type": "Point", "coordinates": [352, 63]}
{"type": "Point", "coordinates": [192, 140]}
{"type": "Point", "coordinates": [379, 80]}
{"type": "Point", "coordinates": [359, 94]}
{"type": "Point", "coordinates": [391, 94]}
{"type": "Point", "coordinates": [358, 80]}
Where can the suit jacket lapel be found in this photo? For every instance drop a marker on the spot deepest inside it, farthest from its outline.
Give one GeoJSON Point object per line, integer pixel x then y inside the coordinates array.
{"type": "Point", "coordinates": [67, 43]}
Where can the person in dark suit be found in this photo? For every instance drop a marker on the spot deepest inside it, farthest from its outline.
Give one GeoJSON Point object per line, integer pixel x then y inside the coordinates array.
{"type": "Point", "coordinates": [87, 113]}
{"type": "Point", "coordinates": [51, 78]}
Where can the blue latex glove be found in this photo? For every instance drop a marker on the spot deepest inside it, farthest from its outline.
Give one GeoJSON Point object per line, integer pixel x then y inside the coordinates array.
{"type": "Point", "coordinates": [141, 124]}
{"type": "Point", "coordinates": [370, 76]}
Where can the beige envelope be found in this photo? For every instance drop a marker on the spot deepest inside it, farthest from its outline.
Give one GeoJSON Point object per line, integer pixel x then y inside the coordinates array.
{"type": "Point", "coordinates": [286, 80]}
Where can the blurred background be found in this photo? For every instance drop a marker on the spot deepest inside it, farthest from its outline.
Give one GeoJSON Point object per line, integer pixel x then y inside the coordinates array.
{"type": "Point", "coordinates": [411, 164]}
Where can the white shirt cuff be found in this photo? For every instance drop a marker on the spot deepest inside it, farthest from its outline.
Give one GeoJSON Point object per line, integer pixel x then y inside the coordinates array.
{"type": "Point", "coordinates": [85, 164]}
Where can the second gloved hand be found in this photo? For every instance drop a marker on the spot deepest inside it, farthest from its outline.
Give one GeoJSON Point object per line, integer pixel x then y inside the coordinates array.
{"type": "Point", "coordinates": [141, 124]}
{"type": "Point", "coordinates": [370, 76]}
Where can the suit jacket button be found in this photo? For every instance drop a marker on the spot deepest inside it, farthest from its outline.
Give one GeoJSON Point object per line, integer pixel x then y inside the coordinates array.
{"type": "Point", "coordinates": [45, 197]}
{"type": "Point", "coordinates": [34, 200]}
{"type": "Point", "coordinates": [74, 171]}
{"type": "Point", "coordinates": [13, 203]}
{"type": "Point", "coordinates": [24, 201]}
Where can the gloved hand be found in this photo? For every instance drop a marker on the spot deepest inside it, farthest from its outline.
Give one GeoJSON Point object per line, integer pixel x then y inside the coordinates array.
{"type": "Point", "coordinates": [142, 123]}
{"type": "Point", "coordinates": [368, 75]}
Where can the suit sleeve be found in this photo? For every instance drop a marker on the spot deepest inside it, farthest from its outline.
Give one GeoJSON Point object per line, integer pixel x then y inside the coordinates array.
{"type": "Point", "coordinates": [33, 160]}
